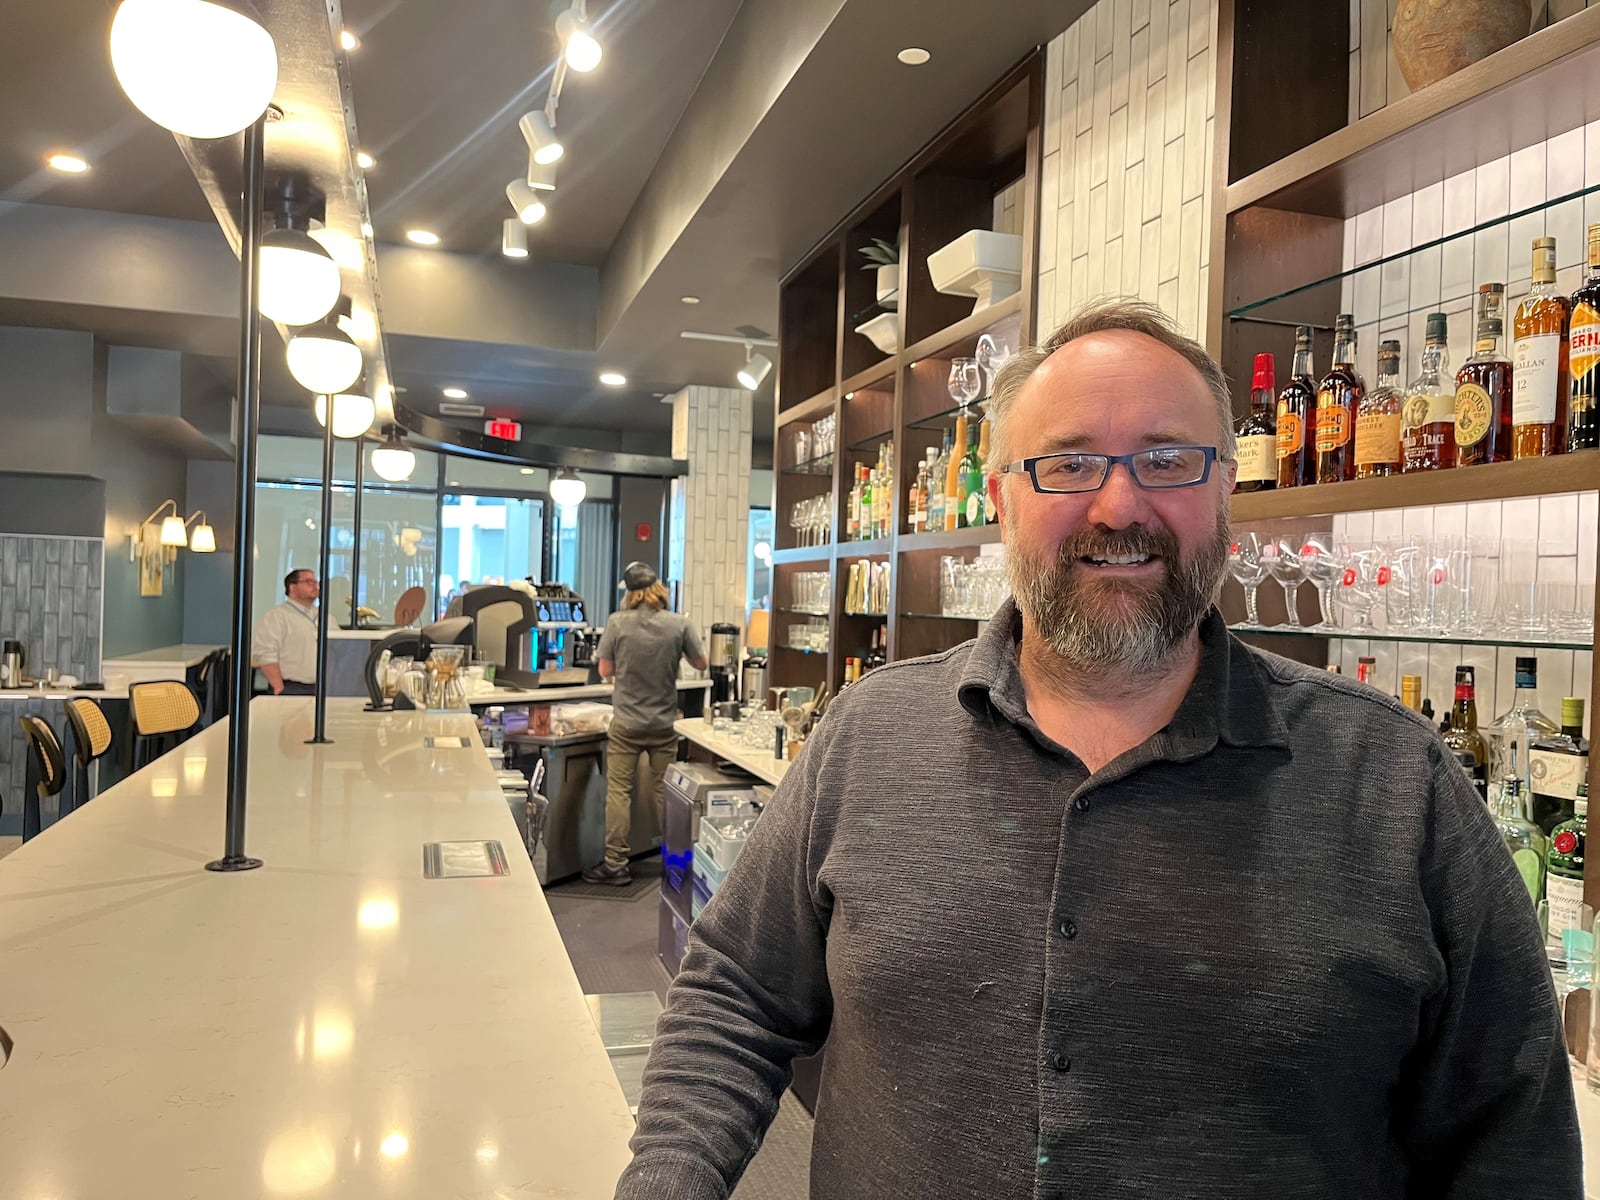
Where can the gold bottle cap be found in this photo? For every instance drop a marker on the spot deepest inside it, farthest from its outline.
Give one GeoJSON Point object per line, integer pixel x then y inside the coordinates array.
{"type": "Point", "coordinates": [1544, 260]}
{"type": "Point", "coordinates": [1594, 245]}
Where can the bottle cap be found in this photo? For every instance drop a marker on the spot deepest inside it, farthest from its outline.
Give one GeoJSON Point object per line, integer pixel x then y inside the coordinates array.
{"type": "Point", "coordinates": [1389, 354]}
{"type": "Point", "coordinates": [1302, 333]}
{"type": "Point", "coordinates": [1265, 377]}
{"type": "Point", "coordinates": [1345, 321]}
{"type": "Point", "coordinates": [1544, 260]}
{"type": "Point", "coordinates": [1572, 711]}
{"type": "Point", "coordinates": [1467, 672]}
{"type": "Point", "coordinates": [1438, 327]}
{"type": "Point", "coordinates": [1580, 806]}
{"type": "Point", "coordinates": [1367, 658]}
{"type": "Point", "coordinates": [1527, 663]}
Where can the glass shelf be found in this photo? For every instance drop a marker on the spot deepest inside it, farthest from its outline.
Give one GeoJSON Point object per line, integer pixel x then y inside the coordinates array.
{"type": "Point", "coordinates": [1531, 642]}
{"type": "Point", "coordinates": [821, 465]}
{"type": "Point", "coordinates": [801, 650]}
{"type": "Point", "coordinates": [1261, 312]}
{"type": "Point", "coordinates": [876, 309]}
{"type": "Point", "coordinates": [949, 415]}
{"type": "Point", "coordinates": [916, 616]}
{"type": "Point", "coordinates": [804, 612]}
{"type": "Point", "coordinates": [882, 616]}
{"type": "Point", "coordinates": [873, 442]}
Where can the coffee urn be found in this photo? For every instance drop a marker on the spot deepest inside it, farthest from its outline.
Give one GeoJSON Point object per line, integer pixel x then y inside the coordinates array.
{"type": "Point", "coordinates": [724, 659]}
{"type": "Point", "coordinates": [753, 679]}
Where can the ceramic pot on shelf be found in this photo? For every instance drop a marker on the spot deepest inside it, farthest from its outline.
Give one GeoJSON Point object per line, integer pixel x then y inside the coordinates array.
{"type": "Point", "coordinates": [1436, 38]}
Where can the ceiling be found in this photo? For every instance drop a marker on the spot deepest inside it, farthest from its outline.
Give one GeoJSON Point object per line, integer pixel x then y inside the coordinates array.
{"type": "Point", "coordinates": [718, 141]}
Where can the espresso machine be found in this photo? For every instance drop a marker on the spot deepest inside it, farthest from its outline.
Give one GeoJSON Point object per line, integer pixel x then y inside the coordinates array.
{"type": "Point", "coordinates": [724, 659]}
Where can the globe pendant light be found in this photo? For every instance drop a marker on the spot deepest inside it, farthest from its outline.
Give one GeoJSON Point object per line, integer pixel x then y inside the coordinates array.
{"type": "Point", "coordinates": [567, 490]}
{"type": "Point", "coordinates": [299, 279]}
{"type": "Point", "coordinates": [353, 414]}
{"type": "Point", "coordinates": [394, 460]}
{"type": "Point", "coordinates": [323, 359]}
{"type": "Point", "coordinates": [201, 68]}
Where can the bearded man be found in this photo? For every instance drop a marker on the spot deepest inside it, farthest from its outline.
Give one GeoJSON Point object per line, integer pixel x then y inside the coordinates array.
{"type": "Point", "coordinates": [1105, 903]}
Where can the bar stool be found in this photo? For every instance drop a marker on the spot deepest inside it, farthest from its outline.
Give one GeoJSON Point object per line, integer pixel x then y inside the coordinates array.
{"type": "Point", "coordinates": [212, 686]}
{"type": "Point", "coordinates": [91, 741]}
{"type": "Point", "coordinates": [46, 773]}
{"type": "Point", "coordinates": [159, 712]}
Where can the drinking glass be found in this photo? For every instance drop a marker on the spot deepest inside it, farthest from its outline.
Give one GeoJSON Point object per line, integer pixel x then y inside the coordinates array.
{"type": "Point", "coordinates": [1284, 563]}
{"type": "Point", "coordinates": [1248, 570]}
{"type": "Point", "coordinates": [1397, 581]}
{"type": "Point", "coordinates": [1323, 569]}
{"type": "Point", "coordinates": [797, 521]}
{"type": "Point", "coordinates": [1475, 585]}
{"type": "Point", "coordinates": [1432, 589]}
{"type": "Point", "coordinates": [1520, 610]}
{"type": "Point", "coordinates": [1358, 586]}
{"type": "Point", "coordinates": [966, 381]}
{"type": "Point", "coordinates": [802, 447]}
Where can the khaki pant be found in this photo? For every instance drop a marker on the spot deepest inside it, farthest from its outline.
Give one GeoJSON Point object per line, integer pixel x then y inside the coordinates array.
{"type": "Point", "coordinates": [622, 764]}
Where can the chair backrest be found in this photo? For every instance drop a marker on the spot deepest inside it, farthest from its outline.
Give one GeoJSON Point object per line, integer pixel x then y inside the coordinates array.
{"type": "Point", "coordinates": [91, 732]}
{"type": "Point", "coordinates": [164, 706]}
{"type": "Point", "coordinates": [45, 749]}
{"type": "Point", "coordinates": [409, 607]}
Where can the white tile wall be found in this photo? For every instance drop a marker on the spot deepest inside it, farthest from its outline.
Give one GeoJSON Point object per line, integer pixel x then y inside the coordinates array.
{"type": "Point", "coordinates": [709, 539]}
{"type": "Point", "coordinates": [1128, 151]}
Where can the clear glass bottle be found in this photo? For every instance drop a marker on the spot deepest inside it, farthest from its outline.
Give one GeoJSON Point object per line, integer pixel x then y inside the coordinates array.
{"type": "Point", "coordinates": [1526, 841]}
{"type": "Point", "coordinates": [1539, 362]}
{"type": "Point", "coordinates": [917, 505]}
{"type": "Point", "coordinates": [1483, 388]}
{"type": "Point", "coordinates": [1378, 419]}
{"type": "Point", "coordinates": [1514, 730]}
{"type": "Point", "coordinates": [941, 463]}
{"type": "Point", "coordinates": [1339, 397]}
{"type": "Point", "coordinates": [1428, 418]}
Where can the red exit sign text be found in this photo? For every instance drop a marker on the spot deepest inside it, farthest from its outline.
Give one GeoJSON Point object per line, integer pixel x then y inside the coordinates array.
{"type": "Point", "coordinates": [511, 431]}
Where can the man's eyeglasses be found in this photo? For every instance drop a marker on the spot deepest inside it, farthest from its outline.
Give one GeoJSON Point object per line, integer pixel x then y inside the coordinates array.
{"type": "Point", "coordinates": [1164, 467]}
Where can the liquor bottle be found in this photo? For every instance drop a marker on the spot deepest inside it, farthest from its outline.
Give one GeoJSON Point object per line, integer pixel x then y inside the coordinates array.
{"type": "Point", "coordinates": [1524, 839]}
{"type": "Point", "coordinates": [1378, 419]}
{"type": "Point", "coordinates": [1539, 364]}
{"type": "Point", "coordinates": [972, 479]}
{"type": "Point", "coordinates": [852, 521]}
{"type": "Point", "coordinates": [990, 513]}
{"type": "Point", "coordinates": [1563, 879]}
{"type": "Point", "coordinates": [1428, 418]}
{"type": "Point", "coordinates": [1483, 388]}
{"type": "Point", "coordinates": [917, 501]}
{"type": "Point", "coordinates": [1364, 668]}
{"type": "Point", "coordinates": [1521, 724]}
{"type": "Point", "coordinates": [1411, 692]}
{"type": "Point", "coordinates": [953, 514]}
{"type": "Point", "coordinates": [1258, 431]}
{"type": "Point", "coordinates": [1297, 417]}
{"type": "Point", "coordinates": [936, 483]}
{"type": "Point", "coordinates": [1462, 736]}
{"type": "Point", "coordinates": [1339, 398]}
{"type": "Point", "coordinates": [1558, 768]}
{"type": "Point", "coordinates": [1583, 362]}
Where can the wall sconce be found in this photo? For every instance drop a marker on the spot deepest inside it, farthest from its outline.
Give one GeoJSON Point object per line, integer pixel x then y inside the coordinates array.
{"type": "Point", "coordinates": [204, 538]}
{"type": "Point", "coordinates": [155, 547]}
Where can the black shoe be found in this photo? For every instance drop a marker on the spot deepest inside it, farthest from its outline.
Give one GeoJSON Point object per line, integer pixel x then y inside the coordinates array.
{"type": "Point", "coordinates": [607, 874]}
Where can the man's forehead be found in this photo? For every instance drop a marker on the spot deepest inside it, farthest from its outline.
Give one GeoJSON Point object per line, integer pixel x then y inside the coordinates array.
{"type": "Point", "coordinates": [1129, 366]}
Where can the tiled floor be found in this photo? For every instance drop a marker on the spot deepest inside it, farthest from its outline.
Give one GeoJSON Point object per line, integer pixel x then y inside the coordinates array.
{"type": "Point", "coordinates": [612, 944]}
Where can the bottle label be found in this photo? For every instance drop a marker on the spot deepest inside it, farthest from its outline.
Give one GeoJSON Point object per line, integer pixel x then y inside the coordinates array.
{"type": "Point", "coordinates": [1464, 692]}
{"type": "Point", "coordinates": [1474, 411]}
{"type": "Point", "coordinates": [1378, 438]}
{"type": "Point", "coordinates": [1527, 680]}
{"type": "Point", "coordinates": [1333, 426]}
{"type": "Point", "coordinates": [1258, 455]}
{"type": "Point", "coordinates": [1566, 907]}
{"type": "Point", "coordinates": [1561, 775]}
{"type": "Point", "coordinates": [975, 508]}
{"type": "Point", "coordinates": [1291, 432]}
{"type": "Point", "coordinates": [1535, 379]}
{"type": "Point", "coordinates": [1583, 344]}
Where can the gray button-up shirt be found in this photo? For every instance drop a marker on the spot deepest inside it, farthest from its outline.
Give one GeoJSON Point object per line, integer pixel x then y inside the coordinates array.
{"type": "Point", "coordinates": [1278, 950]}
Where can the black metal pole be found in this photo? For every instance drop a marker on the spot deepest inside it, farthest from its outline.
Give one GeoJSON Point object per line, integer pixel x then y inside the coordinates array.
{"type": "Point", "coordinates": [319, 734]}
{"type": "Point", "coordinates": [355, 552]}
{"type": "Point", "coordinates": [244, 516]}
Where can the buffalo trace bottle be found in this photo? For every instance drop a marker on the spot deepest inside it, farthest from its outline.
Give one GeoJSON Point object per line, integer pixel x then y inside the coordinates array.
{"type": "Point", "coordinates": [1297, 414]}
{"type": "Point", "coordinates": [1539, 378]}
{"type": "Point", "coordinates": [1483, 388]}
{"type": "Point", "coordinates": [1339, 398]}
{"type": "Point", "coordinates": [1583, 344]}
{"type": "Point", "coordinates": [1428, 417]}
{"type": "Point", "coordinates": [1258, 433]}
{"type": "Point", "coordinates": [1378, 420]}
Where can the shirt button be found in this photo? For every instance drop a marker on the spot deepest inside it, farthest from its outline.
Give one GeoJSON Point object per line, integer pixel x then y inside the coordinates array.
{"type": "Point", "coordinates": [1081, 804]}
{"type": "Point", "coordinates": [1060, 1061]}
{"type": "Point", "coordinates": [1069, 930]}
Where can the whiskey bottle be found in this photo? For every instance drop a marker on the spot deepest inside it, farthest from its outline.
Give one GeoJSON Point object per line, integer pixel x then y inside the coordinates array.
{"type": "Point", "coordinates": [1563, 880]}
{"type": "Point", "coordinates": [1411, 692]}
{"type": "Point", "coordinates": [1462, 736]}
{"type": "Point", "coordinates": [1378, 420]}
{"type": "Point", "coordinates": [1483, 388]}
{"type": "Point", "coordinates": [1339, 398]}
{"type": "Point", "coordinates": [1297, 417]}
{"type": "Point", "coordinates": [1558, 768]}
{"type": "Point", "coordinates": [1583, 363]}
{"type": "Point", "coordinates": [1428, 418]}
{"type": "Point", "coordinates": [1539, 362]}
{"type": "Point", "coordinates": [1257, 433]}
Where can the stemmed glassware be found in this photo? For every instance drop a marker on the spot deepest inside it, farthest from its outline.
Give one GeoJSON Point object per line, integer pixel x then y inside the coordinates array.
{"type": "Point", "coordinates": [1248, 570]}
{"type": "Point", "coordinates": [966, 381]}
{"type": "Point", "coordinates": [1282, 556]}
{"type": "Point", "coordinates": [1323, 567]}
{"type": "Point", "coordinates": [1358, 586]}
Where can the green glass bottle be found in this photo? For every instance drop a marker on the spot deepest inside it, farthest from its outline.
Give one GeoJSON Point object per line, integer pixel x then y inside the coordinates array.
{"type": "Point", "coordinates": [972, 478]}
{"type": "Point", "coordinates": [1525, 840]}
{"type": "Point", "coordinates": [1564, 877]}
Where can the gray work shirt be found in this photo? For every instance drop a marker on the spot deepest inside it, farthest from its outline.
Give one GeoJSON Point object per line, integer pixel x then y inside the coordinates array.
{"type": "Point", "coordinates": [1278, 950]}
{"type": "Point", "coordinates": [646, 644]}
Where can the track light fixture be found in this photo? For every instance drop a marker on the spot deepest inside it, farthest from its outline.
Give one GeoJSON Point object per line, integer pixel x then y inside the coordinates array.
{"type": "Point", "coordinates": [525, 202]}
{"type": "Point", "coordinates": [582, 50]}
{"type": "Point", "coordinates": [538, 130]}
{"type": "Point", "coordinates": [513, 238]}
{"type": "Point", "coordinates": [756, 366]}
{"type": "Point", "coordinates": [541, 178]}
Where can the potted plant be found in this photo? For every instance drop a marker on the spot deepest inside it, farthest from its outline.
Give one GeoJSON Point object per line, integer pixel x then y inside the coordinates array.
{"type": "Point", "coordinates": [884, 258]}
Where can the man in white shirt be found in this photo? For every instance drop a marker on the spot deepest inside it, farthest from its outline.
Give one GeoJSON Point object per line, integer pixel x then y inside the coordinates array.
{"type": "Point", "coordinates": [284, 645]}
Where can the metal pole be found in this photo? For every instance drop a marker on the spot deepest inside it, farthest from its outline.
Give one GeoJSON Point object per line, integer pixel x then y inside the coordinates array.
{"type": "Point", "coordinates": [355, 553]}
{"type": "Point", "coordinates": [319, 735]}
{"type": "Point", "coordinates": [246, 423]}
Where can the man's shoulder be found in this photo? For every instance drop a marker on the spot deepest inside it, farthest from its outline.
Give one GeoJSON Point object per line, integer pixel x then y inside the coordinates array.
{"type": "Point", "coordinates": [1301, 693]}
{"type": "Point", "coordinates": [898, 692]}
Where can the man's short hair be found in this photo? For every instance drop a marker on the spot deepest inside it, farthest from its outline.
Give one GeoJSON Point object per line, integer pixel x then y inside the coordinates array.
{"type": "Point", "coordinates": [293, 577]}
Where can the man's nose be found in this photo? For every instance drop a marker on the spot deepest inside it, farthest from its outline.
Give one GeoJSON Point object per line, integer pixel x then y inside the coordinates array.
{"type": "Point", "coordinates": [1120, 502]}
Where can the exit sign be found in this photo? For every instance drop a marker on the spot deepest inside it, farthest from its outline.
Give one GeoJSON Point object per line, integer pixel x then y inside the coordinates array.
{"type": "Point", "coordinates": [511, 431]}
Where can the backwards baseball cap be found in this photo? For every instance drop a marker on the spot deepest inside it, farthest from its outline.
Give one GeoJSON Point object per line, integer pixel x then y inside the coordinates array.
{"type": "Point", "coordinates": [637, 576]}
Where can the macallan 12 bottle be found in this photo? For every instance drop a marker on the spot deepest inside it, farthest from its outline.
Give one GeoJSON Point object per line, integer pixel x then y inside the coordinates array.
{"type": "Point", "coordinates": [1258, 433]}
{"type": "Point", "coordinates": [1297, 415]}
{"type": "Point", "coordinates": [1483, 388]}
{"type": "Point", "coordinates": [1583, 344]}
{"type": "Point", "coordinates": [1338, 400]}
{"type": "Point", "coordinates": [1539, 377]}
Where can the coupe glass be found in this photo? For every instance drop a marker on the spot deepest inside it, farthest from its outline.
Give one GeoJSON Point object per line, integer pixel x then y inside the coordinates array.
{"type": "Point", "coordinates": [966, 381]}
{"type": "Point", "coordinates": [1323, 568]}
{"type": "Point", "coordinates": [1248, 570]}
{"type": "Point", "coordinates": [1282, 556]}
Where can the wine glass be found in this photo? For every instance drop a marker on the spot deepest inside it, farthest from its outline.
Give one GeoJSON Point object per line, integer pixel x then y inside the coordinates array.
{"type": "Point", "coordinates": [1248, 570]}
{"type": "Point", "coordinates": [1358, 586]}
{"type": "Point", "coordinates": [1324, 567]}
{"type": "Point", "coordinates": [966, 381]}
{"type": "Point", "coordinates": [992, 353]}
{"type": "Point", "coordinates": [1284, 563]}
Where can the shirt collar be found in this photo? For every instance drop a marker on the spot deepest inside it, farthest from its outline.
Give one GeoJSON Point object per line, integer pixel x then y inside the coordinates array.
{"type": "Point", "coordinates": [306, 610]}
{"type": "Point", "coordinates": [1229, 700]}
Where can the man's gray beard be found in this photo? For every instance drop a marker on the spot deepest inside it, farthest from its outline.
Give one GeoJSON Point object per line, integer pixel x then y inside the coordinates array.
{"type": "Point", "coordinates": [1097, 633]}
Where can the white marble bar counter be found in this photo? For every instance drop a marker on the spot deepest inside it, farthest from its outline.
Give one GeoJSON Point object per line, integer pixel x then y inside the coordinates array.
{"type": "Point", "coordinates": [61, 693]}
{"type": "Point", "coordinates": [163, 662]}
{"type": "Point", "coordinates": [759, 763]}
{"type": "Point", "coordinates": [557, 695]}
{"type": "Point", "coordinates": [331, 1025]}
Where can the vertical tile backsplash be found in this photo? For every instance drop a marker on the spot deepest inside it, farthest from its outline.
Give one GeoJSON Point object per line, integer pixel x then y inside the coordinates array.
{"type": "Point", "coordinates": [51, 592]}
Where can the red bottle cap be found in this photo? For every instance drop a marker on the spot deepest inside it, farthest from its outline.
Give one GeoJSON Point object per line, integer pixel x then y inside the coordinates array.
{"type": "Point", "coordinates": [1266, 374]}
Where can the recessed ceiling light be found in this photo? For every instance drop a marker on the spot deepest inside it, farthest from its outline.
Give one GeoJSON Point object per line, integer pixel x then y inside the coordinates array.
{"type": "Point", "coordinates": [527, 470]}
{"type": "Point", "coordinates": [349, 40]}
{"type": "Point", "coordinates": [422, 237]}
{"type": "Point", "coordinates": [913, 56]}
{"type": "Point", "coordinates": [690, 299]}
{"type": "Point", "coordinates": [455, 393]}
{"type": "Point", "coordinates": [366, 229]}
{"type": "Point", "coordinates": [613, 379]}
{"type": "Point", "coordinates": [365, 161]}
{"type": "Point", "coordinates": [69, 164]}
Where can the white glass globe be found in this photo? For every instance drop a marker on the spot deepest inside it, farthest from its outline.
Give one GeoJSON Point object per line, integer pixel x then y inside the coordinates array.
{"type": "Point", "coordinates": [353, 414]}
{"type": "Point", "coordinates": [324, 360]}
{"type": "Point", "coordinates": [299, 279]}
{"type": "Point", "coordinates": [202, 69]}
{"type": "Point", "coordinates": [394, 462]}
{"type": "Point", "coordinates": [567, 490]}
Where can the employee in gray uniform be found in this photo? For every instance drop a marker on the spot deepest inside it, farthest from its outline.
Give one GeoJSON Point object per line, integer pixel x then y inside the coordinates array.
{"type": "Point", "coordinates": [639, 651]}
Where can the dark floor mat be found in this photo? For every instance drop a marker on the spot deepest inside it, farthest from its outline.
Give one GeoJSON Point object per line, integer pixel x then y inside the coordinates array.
{"type": "Point", "coordinates": [646, 882]}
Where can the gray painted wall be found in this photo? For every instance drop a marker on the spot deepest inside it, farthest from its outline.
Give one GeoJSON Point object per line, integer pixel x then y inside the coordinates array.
{"type": "Point", "coordinates": [639, 502]}
{"type": "Point", "coordinates": [208, 578]}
